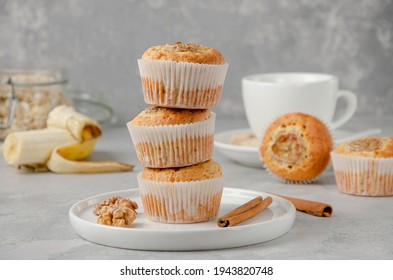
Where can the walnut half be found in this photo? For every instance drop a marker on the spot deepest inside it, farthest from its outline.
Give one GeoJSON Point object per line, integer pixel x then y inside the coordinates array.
{"type": "Point", "coordinates": [116, 211]}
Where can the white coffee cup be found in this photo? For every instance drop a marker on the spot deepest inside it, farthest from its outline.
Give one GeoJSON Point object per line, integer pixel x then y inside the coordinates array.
{"type": "Point", "coordinates": [266, 96]}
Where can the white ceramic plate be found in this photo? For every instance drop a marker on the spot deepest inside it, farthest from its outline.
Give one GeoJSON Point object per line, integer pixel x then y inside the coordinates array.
{"type": "Point", "coordinates": [147, 235]}
{"type": "Point", "coordinates": [249, 156]}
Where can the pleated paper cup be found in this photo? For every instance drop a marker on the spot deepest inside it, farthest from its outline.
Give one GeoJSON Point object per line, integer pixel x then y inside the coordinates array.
{"type": "Point", "coordinates": [173, 145]}
{"type": "Point", "coordinates": [182, 84]}
{"type": "Point", "coordinates": [363, 176]}
{"type": "Point", "coordinates": [181, 202]}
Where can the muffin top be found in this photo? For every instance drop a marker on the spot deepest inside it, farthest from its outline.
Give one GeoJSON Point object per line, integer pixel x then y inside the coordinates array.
{"type": "Point", "coordinates": [180, 52]}
{"type": "Point", "coordinates": [201, 171]}
{"type": "Point", "coordinates": [160, 116]}
{"type": "Point", "coordinates": [296, 147]}
{"type": "Point", "coordinates": [377, 147]}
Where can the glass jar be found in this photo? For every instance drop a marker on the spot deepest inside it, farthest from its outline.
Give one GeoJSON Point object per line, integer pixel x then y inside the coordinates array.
{"type": "Point", "coordinates": [27, 96]}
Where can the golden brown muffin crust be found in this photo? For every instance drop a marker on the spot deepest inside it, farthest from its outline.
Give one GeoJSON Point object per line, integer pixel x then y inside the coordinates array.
{"type": "Point", "coordinates": [201, 171]}
{"type": "Point", "coordinates": [180, 52]}
{"type": "Point", "coordinates": [159, 116]}
{"type": "Point", "coordinates": [377, 147]}
{"type": "Point", "coordinates": [296, 147]}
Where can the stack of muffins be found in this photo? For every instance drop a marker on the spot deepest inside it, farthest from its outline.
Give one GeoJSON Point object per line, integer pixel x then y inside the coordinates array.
{"type": "Point", "coordinates": [174, 139]}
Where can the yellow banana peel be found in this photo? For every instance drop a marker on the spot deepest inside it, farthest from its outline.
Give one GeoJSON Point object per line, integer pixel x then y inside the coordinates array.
{"type": "Point", "coordinates": [60, 164]}
{"type": "Point", "coordinates": [77, 151]}
{"type": "Point", "coordinates": [80, 126]}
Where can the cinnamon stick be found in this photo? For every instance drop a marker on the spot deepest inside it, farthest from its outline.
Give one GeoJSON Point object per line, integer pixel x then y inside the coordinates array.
{"type": "Point", "coordinates": [314, 208]}
{"type": "Point", "coordinates": [244, 212]}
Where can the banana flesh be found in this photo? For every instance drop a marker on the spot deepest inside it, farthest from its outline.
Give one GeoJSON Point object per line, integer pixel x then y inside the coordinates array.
{"type": "Point", "coordinates": [69, 138]}
{"type": "Point", "coordinates": [34, 146]}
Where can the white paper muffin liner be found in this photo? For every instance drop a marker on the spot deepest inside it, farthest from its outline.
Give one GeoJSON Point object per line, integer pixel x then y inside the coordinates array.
{"type": "Point", "coordinates": [173, 145]}
{"type": "Point", "coordinates": [181, 84]}
{"type": "Point", "coordinates": [181, 202]}
{"type": "Point", "coordinates": [363, 176]}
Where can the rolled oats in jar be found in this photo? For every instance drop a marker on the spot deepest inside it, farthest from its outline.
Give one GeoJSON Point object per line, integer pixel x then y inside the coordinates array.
{"type": "Point", "coordinates": [27, 96]}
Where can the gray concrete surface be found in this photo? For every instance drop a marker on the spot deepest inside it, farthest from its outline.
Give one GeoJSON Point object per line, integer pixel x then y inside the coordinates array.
{"type": "Point", "coordinates": [34, 210]}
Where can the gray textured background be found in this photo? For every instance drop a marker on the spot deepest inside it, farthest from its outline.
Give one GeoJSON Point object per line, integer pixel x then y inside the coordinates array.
{"type": "Point", "coordinates": [100, 41]}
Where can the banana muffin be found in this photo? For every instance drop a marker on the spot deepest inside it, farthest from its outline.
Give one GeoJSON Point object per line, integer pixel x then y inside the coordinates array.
{"type": "Point", "coordinates": [165, 137]}
{"type": "Point", "coordinates": [296, 147]}
{"type": "Point", "coordinates": [182, 195]}
{"type": "Point", "coordinates": [364, 166]}
{"type": "Point", "coordinates": [181, 75]}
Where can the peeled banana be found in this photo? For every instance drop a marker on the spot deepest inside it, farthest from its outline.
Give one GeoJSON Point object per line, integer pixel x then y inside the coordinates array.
{"type": "Point", "coordinates": [80, 126]}
{"type": "Point", "coordinates": [68, 138]}
{"type": "Point", "coordinates": [34, 146]}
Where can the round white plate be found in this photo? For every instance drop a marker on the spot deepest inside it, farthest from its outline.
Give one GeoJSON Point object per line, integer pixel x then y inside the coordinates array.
{"type": "Point", "coordinates": [143, 234]}
{"type": "Point", "coordinates": [250, 155]}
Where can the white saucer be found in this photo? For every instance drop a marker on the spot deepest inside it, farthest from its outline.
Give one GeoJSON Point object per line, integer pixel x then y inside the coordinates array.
{"type": "Point", "coordinates": [242, 154]}
{"type": "Point", "coordinates": [147, 235]}
{"type": "Point", "coordinates": [249, 156]}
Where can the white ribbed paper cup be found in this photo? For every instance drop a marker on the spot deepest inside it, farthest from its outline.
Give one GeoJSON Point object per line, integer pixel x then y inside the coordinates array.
{"type": "Point", "coordinates": [182, 84]}
{"type": "Point", "coordinates": [363, 176]}
{"type": "Point", "coordinates": [181, 202]}
{"type": "Point", "coordinates": [173, 145]}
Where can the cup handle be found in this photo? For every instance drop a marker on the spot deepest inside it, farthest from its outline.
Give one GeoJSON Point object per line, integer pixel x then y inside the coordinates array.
{"type": "Point", "coordinates": [352, 102]}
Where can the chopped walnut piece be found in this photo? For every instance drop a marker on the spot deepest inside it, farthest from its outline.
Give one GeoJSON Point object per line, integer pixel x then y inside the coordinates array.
{"type": "Point", "coordinates": [116, 211]}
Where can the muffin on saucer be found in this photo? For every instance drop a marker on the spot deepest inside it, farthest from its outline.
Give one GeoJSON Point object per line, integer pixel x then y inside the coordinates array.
{"type": "Point", "coordinates": [181, 75]}
{"type": "Point", "coordinates": [182, 195]}
{"type": "Point", "coordinates": [165, 137]}
{"type": "Point", "coordinates": [296, 147]}
{"type": "Point", "coordinates": [364, 166]}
